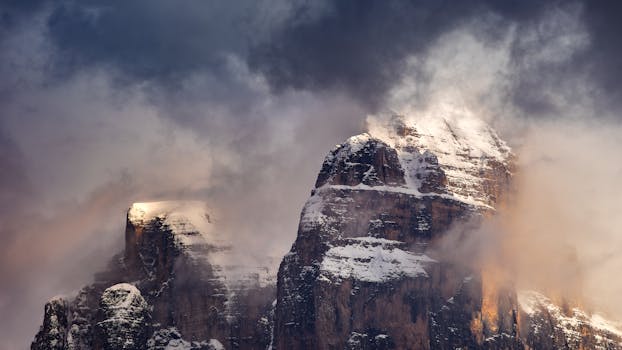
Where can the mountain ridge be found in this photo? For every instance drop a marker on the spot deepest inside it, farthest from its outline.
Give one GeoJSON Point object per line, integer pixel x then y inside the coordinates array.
{"type": "Point", "coordinates": [360, 274]}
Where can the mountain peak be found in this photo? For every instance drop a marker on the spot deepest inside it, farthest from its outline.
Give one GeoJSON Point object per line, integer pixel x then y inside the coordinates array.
{"type": "Point", "coordinates": [461, 158]}
{"type": "Point", "coordinates": [366, 239]}
{"type": "Point", "coordinates": [463, 149]}
{"type": "Point", "coordinates": [181, 216]}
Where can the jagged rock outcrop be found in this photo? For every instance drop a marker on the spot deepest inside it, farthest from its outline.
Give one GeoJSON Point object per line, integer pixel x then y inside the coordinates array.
{"type": "Point", "coordinates": [177, 284]}
{"type": "Point", "coordinates": [53, 332]}
{"type": "Point", "coordinates": [126, 319]}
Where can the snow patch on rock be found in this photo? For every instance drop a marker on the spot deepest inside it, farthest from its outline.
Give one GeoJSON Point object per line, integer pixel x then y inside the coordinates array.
{"type": "Point", "coordinates": [371, 259]}
{"type": "Point", "coordinates": [312, 215]}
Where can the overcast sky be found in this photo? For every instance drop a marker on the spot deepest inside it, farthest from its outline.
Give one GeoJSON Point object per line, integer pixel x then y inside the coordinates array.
{"type": "Point", "coordinates": [103, 103]}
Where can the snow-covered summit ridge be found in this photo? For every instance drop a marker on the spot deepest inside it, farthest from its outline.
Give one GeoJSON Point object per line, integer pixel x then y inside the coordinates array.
{"type": "Point", "coordinates": [353, 144]}
{"type": "Point", "coordinates": [465, 148]}
{"type": "Point", "coordinates": [459, 154]}
{"type": "Point", "coordinates": [447, 136]}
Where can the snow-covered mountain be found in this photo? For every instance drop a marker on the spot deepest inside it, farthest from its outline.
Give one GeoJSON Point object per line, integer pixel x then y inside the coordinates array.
{"type": "Point", "coordinates": [360, 275]}
{"type": "Point", "coordinates": [177, 285]}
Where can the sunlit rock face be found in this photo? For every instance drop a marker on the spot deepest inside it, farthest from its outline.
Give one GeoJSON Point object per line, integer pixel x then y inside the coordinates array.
{"type": "Point", "coordinates": [179, 268]}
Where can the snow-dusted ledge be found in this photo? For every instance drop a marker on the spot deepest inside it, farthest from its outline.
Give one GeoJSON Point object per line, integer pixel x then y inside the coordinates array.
{"type": "Point", "coordinates": [371, 259]}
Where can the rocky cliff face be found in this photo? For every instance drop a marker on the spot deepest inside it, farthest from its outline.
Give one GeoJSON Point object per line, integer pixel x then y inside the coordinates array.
{"type": "Point", "coordinates": [361, 274]}
{"type": "Point", "coordinates": [177, 285]}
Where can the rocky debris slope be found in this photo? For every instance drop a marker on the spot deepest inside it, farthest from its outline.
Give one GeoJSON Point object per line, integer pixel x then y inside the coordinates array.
{"type": "Point", "coordinates": [178, 284]}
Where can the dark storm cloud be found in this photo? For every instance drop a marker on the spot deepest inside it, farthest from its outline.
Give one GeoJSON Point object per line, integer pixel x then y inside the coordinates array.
{"type": "Point", "coordinates": [544, 72]}
{"type": "Point", "coordinates": [361, 45]}
{"type": "Point", "coordinates": [12, 10]}
{"type": "Point", "coordinates": [149, 38]}
{"type": "Point", "coordinates": [358, 47]}
{"type": "Point", "coordinates": [605, 55]}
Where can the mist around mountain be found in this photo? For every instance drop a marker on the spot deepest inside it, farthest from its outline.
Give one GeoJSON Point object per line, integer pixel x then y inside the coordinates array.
{"type": "Point", "coordinates": [400, 246]}
{"type": "Point", "coordinates": [237, 104]}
